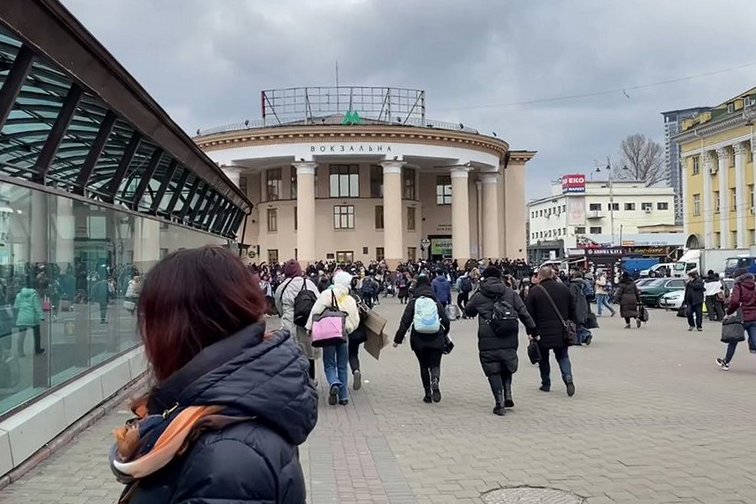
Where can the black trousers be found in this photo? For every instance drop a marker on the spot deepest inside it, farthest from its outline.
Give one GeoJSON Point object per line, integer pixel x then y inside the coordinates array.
{"type": "Point", "coordinates": [462, 299]}
{"type": "Point", "coordinates": [714, 308]}
{"type": "Point", "coordinates": [354, 355]}
{"type": "Point", "coordinates": [22, 337]}
{"type": "Point", "coordinates": [499, 382]}
{"type": "Point", "coordinates": [695, 315]}
{"type": "Point", "coordinates": [430, 366]}
{"type": "Point", "coordinates": [104, 312]}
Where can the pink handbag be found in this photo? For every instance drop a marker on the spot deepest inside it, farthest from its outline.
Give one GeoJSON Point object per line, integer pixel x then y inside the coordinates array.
{"type": "Point", "coordinates": [329, 328]}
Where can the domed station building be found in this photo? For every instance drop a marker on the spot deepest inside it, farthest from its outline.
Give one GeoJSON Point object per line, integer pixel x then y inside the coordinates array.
{"type": "Point", "coordinates": [360, 173]}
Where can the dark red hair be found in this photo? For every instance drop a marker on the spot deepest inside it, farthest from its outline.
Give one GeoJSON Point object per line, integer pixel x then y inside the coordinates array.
{"type": "Point", "coordinates": [192, 299]}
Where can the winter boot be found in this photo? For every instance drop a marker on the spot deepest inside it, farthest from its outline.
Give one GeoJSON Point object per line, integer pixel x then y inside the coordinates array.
{"type": "Point", "coordinates": [508, 402]}
{"type": "Point", "coordinates": [427, 399]}
{"type": "Point", "coordinates": [436, 395]}
{"type": "Point", "coordinates": [499, 406]}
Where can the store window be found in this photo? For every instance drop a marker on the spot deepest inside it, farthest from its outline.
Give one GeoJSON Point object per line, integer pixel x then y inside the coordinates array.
{"type": "Point", "coordinates": [410, 218]}
{"type": "Point", "coordinates": [376, 181]}
{"type": "Point", "coordinates": [272, 219]}
{"type": "Point", "coordinates": [379, 217]}
{"type": "Point", "coordinates": [345, 181]}
{"type": "Point", "coordinates": [273, 184]}
{"type": "Point", "coordinates": [343, 217]}
{"type": "Point", "coordinates": [444, 190]}
{"type": "Point", "coordinates": [408, 181]}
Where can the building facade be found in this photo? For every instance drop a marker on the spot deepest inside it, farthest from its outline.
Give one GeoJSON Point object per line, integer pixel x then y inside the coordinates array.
{"type": "Point", "coordinates": [672, 123]}
{"type": "Point", "coordinates": [352, 182]}
{"type": "Point", "coordinates": [580, 212]}
{"type": "Point", "coordinates": [717, 150]}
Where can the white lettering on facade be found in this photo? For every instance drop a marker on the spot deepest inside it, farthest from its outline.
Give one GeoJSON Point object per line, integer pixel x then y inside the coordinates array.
{"type": "Point", "coordinates": [336, 148]}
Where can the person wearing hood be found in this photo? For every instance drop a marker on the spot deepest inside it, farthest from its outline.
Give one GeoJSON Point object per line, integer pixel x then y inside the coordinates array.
{"type": "Point", "coordinates": [30, 315]}
{"type": "Point", "coordinates": [442, 288]}
{"type": "Point", "coordinates": [427, 345]}
{"type": "Point", "coordinates": [714, 294]}
{"type": "Point", "coordinates": [231, 400]}
{"type": "Point", "coordinates": [743, 297]}
{"type": "Point", "coordinates": [628, 297]}
{"type": "Point", "coordinates": [694, 299]}
{"type": "Point", "coordinates": [498, 349]}
{"type": "Point", "coordinates": [336, 357]}
{"type": "Point", "coordinates": [285, 298]}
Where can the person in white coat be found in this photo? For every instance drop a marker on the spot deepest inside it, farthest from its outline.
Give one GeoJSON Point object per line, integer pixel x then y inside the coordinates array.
{"type": "Point", "coordinates": [336, 357]}
{"type": "Point", "coordinates": [284, 297]}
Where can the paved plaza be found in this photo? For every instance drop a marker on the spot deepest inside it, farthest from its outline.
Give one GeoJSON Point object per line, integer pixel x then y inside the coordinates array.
{"type": "Point", "coordinates": [653, 421]}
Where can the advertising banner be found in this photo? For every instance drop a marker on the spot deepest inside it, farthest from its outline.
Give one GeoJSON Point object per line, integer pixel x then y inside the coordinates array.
{"type": "Point", "coordinates": [573, 183]}
{"type": "Point", "coordinates": [576, 211]}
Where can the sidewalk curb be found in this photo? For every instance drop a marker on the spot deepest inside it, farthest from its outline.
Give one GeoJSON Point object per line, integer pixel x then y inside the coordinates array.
{"type": "Point", "coordinates": [73, 431]}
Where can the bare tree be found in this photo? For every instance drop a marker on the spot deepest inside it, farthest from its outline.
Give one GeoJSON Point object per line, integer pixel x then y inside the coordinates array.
{"type": "Point", "coordinates": [641, 159]}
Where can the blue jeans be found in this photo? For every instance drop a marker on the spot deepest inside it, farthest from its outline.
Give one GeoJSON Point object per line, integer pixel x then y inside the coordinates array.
{"type": "Point", "coordinates": [563, 359]}
{"type": "Point", "coordinates": [601, 301]}
{"type": "Point", "coordinates": [335, 363]}
{"type": "Point", "coordinates": [750, 328]}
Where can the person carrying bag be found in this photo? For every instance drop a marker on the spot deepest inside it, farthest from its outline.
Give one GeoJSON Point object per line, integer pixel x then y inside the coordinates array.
{"type": "Point", "coordinates": [741, 317]}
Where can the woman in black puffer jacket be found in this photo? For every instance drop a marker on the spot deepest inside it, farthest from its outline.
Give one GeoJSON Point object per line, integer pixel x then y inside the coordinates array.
{"type": "Point", "coordinates": [231, 401]}
{"type": "Point", "coordinates": [498, 351]}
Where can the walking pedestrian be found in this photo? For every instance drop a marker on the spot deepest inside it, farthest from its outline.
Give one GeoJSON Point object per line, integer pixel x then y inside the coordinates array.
{"type": "Point", "coordinates": [28, 305]}
{"type": "Point", "coordinates": [285, 300]}
{"type": "Point", "coordinates": [743, 298]}
{"type": "Point", "coordinates": [336, 357]}
{"type": "Point", "coordinates": [428, 332]}
{"type": "Point", "coordinates": [464, 288]}
{"type": "Point", "coordinates": [403, 287]}
{"type": "Point", "coordinates": [231, 401]}
{"type": "Point", "coordinates": [694, 299]}
{"type": "Point", "coordinates": [628, 297]}
{"type": "Point", "coordinates": [577, 288]}
{"type": "Point", "coordinates": [442, 288]}
{"type": "Point", "coordinates": [714, 297]}
{"type": "Point", "coordinates": [550, 304]}
{"type": "Point", "coordinates": [498, 309]}
{"type": "Point", "coordinates": [602, 295]}
{"type": "Point", "coordinates": [357, 337]}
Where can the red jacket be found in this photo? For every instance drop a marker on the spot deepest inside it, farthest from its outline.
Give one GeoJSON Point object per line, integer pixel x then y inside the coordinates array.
{"type": "Point", "coordinates": [744, 296]}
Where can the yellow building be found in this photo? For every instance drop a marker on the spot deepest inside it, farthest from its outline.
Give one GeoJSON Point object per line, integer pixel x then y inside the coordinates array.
{"type": "Point", "coordinates": [718, 176]}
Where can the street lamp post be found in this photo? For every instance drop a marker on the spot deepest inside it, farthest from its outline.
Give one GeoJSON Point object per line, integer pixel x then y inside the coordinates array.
{"type": "Point", "coordinates": [608, 169]}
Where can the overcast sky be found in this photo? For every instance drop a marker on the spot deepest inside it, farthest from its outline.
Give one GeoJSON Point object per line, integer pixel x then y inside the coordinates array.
{"type": "Point", "coordinates": [205, 61]}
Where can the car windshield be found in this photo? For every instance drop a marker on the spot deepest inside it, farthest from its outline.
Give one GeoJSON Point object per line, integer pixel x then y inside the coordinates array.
{"type": "Point", "coordinates": [734, 262]}
{"type": "Point", "coordinates": [680, 266]}
{"type": "Point", "coordinates": [655, 283]}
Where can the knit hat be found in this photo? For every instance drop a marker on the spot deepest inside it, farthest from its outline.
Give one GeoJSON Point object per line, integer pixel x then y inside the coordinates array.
{"type": "Point", "coordinates": [491, 271]}
{"type": "Point", "coordinates": [292, 269]}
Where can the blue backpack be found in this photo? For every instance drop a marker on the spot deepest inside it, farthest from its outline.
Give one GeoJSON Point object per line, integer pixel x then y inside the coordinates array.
{"type": "Point", "coordinates": [426, 319]}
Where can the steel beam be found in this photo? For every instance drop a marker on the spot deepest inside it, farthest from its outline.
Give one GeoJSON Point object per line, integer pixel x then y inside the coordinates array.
{"type": "Point", "coordinates": [146, 177]}
{"type": "Point", "coordinates": [176, 193]}
{"type": "Point", "coordinates": [57, 133]}
{"type": "Point", "coordinates": [106, 127]}
{"type": "Point", "coordinates": [163, 186]}
{"type": "Point", "coordinates": [189, 198]}
{"type": "Point", "coordinates": [14, 82]}
{"type": "Point", "coordinates": [123, 166]}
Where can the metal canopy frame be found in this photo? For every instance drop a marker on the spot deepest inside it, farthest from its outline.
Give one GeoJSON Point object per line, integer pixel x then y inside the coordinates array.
{"type": "Point", "coordinates": [73, 119]}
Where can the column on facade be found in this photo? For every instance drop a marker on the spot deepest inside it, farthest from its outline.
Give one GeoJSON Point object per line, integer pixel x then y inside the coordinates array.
{"type": "Point", "coordinates": [752, 204]}
{"type": "Point", "coordinates": [306, 251]}
{"type": "Point", "coordinates": [393, 232]}
{"type": "Point", "coordinates": [38, 230]}
{"type": "Point", "coordinates": [708, 209]}
{"type": "Point", "coordinates": [515, 209]}
{"type": "Point", "coordinates": [501, 198]}
{"type": "Point", "coordinates": [684, 200]}
{"type": "Point", "coordinates": [65, 231]}
{"type": "Point", "coordinates": [724, 199]}
{"type": "Point", "coordinates": [741, 150]}
{"type": "Point", "coordinates": [146, 243]}
{"type": "Point", "coordinates": [460, 209]}
{"type": "Point", "coordinates": [491, 221]}
{"type": "Point", "coordinates": [233, 173]}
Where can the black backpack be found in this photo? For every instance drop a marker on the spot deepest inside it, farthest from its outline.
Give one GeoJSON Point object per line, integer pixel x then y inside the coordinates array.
{"type": "Point", "coordinates": [504, 318]}
{"type": "Point", "coordinates": [465, 284]}
{"type": "Point", "coordinates": [303, 303]}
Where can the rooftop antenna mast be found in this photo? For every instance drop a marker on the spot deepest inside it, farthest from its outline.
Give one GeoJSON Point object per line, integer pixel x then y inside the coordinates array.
{"type": "Point", "coordinates": [337, 86]}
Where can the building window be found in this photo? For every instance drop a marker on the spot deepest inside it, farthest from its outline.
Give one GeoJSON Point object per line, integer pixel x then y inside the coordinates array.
{"type": "Point", "coordinates": [343, 217]}
{"type": "Point", "coordinates": [696, 165]}
{"type": "Point", "coordinates": [596, 230]}
{"type": "Point", "coordinates": [344, 256]}
{"type": "Point", "coordinates": [412, 253]}
{"type": "Point", "coordinates": [696, 204]}
{"type": "Point", "coordinates": [630, 206]}
{"type": "Point", "coordinates": [272, 256]}
{"type": "Point", "coordinates": [408, 181]}
{"type": "Point", "coordinates": [345, 181]}
{"type": "Point", "coordinates": [380, 255]}
{"type": "Point", "coordinates": [163, 252]}
{"type": "Point", "coordinates": [272, 219]}
{"type": "Point", "coordinates": [365, 251]}
{"type": "Point", "coordinates": [376, 181]}
{"type": "Point", "coordinates": [293, 183]}
{"type": "Point", "coordinates": [717, 240]}
{"type": "Point", "coordinates": [410, 218]}
{"type": "Point", "coordinates": [243, 183]}
{"type": "Point", "coordinates": [580, 230]}
{"type": "Point", "coordinates": [734, 200]}
{"type": "Point", "coordinates": [717, 201]}
{"type": "Point", "coordinates": [751, 196]}
{"type": "Point", "coordinates": [594, 207]}
{"type": "Point", "coordinates": [647, 206]}
{"type": "Point", "coordinates": [296, 218]}
{"type": "Point", "coordinates": [614, 207]}
{"type": "Point", "coordinates": [662, 206]}
{"type": "Point", "coordinates": [273, 184]}
{"type": "Point", "coordinates": [444, 188]}
{"type": "Point", "coordinates": [379, 217]}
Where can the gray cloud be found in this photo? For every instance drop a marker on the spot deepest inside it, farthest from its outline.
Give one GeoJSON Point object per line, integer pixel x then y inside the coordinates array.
{"type": "Point", "coordinates": [205, 61]}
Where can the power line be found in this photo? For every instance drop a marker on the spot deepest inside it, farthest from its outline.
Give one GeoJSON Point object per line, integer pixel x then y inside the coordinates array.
{"type": "Point", "coordinates": [622, 90]}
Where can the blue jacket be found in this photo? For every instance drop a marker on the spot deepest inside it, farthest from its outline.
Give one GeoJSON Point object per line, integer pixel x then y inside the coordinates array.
{"type": "Point", "coordinates": [29, 307]}
{"type": "Point", "coordinates": [442, 289]}
{"type": "Point", "coordinates": [255, 461]}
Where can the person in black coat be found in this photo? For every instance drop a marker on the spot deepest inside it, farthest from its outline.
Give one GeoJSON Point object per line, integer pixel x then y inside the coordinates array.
{"type": "Point", "coordinates": [428, 348]}
{"type": "Point", "coordinates": [695, 292]}
{"type": "Point", "coordinates": [497, 351]}
{"type": "Point", "coordinates": [236, 399]}
{"type": "Point", "coordinates": [549, 332]}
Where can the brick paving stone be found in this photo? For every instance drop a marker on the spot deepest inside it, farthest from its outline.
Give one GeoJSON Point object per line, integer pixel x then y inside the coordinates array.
{"type": "Point", "coordinates": [653, 421]}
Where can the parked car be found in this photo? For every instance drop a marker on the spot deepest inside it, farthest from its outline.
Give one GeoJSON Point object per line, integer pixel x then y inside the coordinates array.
{"type": "Point", "coordinates": [652, 292]}
{"type": "Point", "coordinates": [644, 281]}
{"type": "Point", "coordinates": [672, 300]}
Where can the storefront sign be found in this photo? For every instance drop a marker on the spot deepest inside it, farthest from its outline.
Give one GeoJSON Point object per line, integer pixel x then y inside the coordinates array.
{"type": "Point", "coordinates": [444, 228]}
{"type": "Point", "coordinates": [441, 247]}
{"type": "Point", "coordinates": [350, 148]}
{"type": "Point", "coordinates": [573, 183]}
